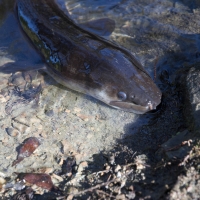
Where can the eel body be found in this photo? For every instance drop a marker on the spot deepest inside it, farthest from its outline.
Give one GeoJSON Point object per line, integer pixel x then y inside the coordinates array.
{"type": "Point", "coordinates": [86, 62]}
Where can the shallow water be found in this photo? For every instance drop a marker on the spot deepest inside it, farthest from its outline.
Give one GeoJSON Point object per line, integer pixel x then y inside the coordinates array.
{"type": "Point", "coordinates": [163, 35]}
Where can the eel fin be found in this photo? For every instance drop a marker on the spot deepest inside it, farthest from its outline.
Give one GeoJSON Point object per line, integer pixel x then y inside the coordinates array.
{"type": "Point", "coordinates": [102, 27]}
{"type": "Point", "coordinates": [15, 66]}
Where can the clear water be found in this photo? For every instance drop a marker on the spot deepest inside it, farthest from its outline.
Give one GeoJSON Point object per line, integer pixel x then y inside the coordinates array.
{"type": "Point", "coordinates": [162, 34]}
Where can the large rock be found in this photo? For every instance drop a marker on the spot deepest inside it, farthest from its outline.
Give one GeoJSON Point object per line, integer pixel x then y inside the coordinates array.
{"type": "Point", "coordinates": [191, 88]}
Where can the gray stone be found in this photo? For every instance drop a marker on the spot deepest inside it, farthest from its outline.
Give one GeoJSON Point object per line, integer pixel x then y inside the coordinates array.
{"type": "Point", "coordinates": [192, 97]}
{"type": "Point", "coordinates": [174, 148]}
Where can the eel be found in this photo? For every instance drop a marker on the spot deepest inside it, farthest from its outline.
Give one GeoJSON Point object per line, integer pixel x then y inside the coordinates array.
{"type": "Point", "coordinates": [86, 62]}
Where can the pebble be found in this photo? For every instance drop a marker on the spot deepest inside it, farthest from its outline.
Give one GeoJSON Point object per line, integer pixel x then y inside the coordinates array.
{"type": "Point", "coordinates": [82, 166]}
{"type": "Point", "coordinates": [2, 181]}
{"type": "Point", "coordinates": [2, 99]}
{"type": "Point", "coordinates": [59, 178]}
{"type": "Point", "coordinates": [28, 147]}
{"type": "Point", "coordinates": [120, 197]}
{"type": "Point", "coordinates": [41, 180]}
{"type": "Point", "coordinates": [12, 132]}
{"type": "Point", "coordinates": [117, 168]}
{"type": "Point", "coordinates": [119, 174]}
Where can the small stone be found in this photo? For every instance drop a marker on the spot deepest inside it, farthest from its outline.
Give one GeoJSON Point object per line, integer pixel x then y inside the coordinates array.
{"type": "Point", "coordinates": [70, 197]}
{"type": "Point", "coordinates": [68, 165]}
{"type": "Point", "coordinates": [2, 174]}
{"type": "Point", "coordinates": [117, 168]}
{"type": "Point", "coordinates": [119, 174]}
{"type": "Point", "coordinates": [117, 190]}
{"type": "Point", "coordinates": [111, 159]}
{"type": "Point", "coordinates": [2, 99]}
{"type": "Point", "coordinates": [40, 179]}
{"type": "Point", "coordinates": [107, 167]}
{"type": "Point", "coordinates": [48, 170]}
{"type": "Point", "coordinates": [76, 110]}
{"type": "Point", "coordinates": [78, 157]}
{"type": "Point", "coordinates": [12, 132]}
{"type": "Point", "coordinates": [130, 195]}
{"type": "Point", "coordinates": [82, 166]}
{"type": "Point", "coordinates": [5, 141]}
{"type": "Point", "coordinates": [59, 178]}
{"type": "Point", "coordinates": [19, 185]}
{"type": "Point", "coordinates": [26, 149]}
{"type": "Point", "coordinates": [67, 111]}
{"type": "Point", "coordinates": [72, 190]}
{"type": "Point", "coordinates": [2, 181]}
{"type": "Point", "coordinates": [131, 188]}
{"type": "Point", "coordinates": [120, 197]}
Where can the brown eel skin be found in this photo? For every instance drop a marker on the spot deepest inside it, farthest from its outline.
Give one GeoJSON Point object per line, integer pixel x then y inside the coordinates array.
{"type": "Point", "coordinates": [85, 62]}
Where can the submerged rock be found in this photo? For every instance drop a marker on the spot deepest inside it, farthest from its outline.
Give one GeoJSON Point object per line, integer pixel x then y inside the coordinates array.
{"type": "Point", "coordinates": [40, 179]}
{"type": "Point", "coordinates": [192, 98]}
{"type": "Point", "coordinates": [28, 147]}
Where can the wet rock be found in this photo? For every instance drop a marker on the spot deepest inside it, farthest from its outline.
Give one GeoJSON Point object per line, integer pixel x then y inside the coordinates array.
{"type": "Point", "coordinates": [49, 113]}
{"type": "Point", "coordinates": [12, 132]}
{"type": "Point", "coordinates": [20, 185]}
{"type": "Point", "coordinates": [40, 179]}
{"type": "Point", "coordinates": [176, 147]}
{"type": "Point", "coordinates": [191, 86]}
{"type": "Point", "coordinates": [27, 148]}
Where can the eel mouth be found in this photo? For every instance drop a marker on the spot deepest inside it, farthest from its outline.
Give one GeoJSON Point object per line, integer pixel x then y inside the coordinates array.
{"type": "Point", "coordinates": [131, 107]}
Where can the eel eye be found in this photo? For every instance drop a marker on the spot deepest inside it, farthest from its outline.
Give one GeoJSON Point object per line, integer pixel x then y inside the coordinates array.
{"type": "Point", "coordinates": [122, 96]}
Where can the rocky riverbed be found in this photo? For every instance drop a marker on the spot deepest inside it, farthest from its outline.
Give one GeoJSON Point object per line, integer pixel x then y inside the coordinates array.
{"type": "Point", "coordinates": [87, 149]}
